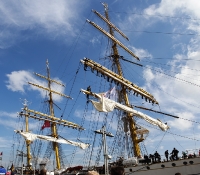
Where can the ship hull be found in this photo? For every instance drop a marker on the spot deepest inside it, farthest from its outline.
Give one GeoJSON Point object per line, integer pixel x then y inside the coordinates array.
{"type": "Point", "coordinates": [184, 166]}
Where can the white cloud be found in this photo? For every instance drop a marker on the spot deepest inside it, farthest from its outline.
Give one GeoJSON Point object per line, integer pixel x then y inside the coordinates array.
{"type": "Point", "coordinates": [179, 9]}
{"type": "Point", "coordinates": [6, 142]}
{"type": "Point", "coordinates": [55, 18]}
{"type": "Point", "coordinates": [4, 114]}
{"type": "Point", "coordinates": [94, 40]}
{"type": "Point", "coordinates": [182, 124]}
{"type": "Point", "coordinates": [141, 52]}
{"type": "Point", "coordinates": [18, 82]}
{"type": "Point", "coordinates": [8, 123]}
{"type": "Point", "coordinates": [181, 87]}
{"type": "Point", "coordinates": [165, 7]}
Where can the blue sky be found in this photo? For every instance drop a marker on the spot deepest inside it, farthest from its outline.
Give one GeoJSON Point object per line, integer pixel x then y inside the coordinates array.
{"type": "Point", "coordinates": [163, 34]}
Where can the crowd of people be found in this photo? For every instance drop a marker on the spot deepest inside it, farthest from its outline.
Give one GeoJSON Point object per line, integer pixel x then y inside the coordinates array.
{"type": "Point", "coordinates": [174, 154]}
{"type": "Point", "coordinates": [157, 158]}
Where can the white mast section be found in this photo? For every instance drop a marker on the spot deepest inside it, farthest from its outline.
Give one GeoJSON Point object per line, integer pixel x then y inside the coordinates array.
{"type": "Point", "coordinates": [108, 105]}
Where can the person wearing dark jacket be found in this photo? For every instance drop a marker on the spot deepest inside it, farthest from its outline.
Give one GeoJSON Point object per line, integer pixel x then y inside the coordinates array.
{"type": "Point", "coordinates": [175, 154]}
{"type": "Point", "coordinates": [167, 155]}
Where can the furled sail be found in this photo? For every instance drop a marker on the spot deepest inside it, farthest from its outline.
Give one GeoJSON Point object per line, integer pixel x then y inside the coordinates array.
{"type": "Point", "coordinates": [31, 137]}
{"type": "Point", "coordinates": [107, 105]}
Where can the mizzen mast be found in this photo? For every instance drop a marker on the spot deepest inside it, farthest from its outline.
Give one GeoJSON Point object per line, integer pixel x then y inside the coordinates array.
{"type": "Point", "coordinates": [118, 76]}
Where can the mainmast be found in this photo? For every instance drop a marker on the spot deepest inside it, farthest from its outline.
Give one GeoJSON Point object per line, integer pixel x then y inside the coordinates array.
{"type": "Point", "coordinates": [118, 77]}
{"type": "Point", "coordinates": [129, 117]}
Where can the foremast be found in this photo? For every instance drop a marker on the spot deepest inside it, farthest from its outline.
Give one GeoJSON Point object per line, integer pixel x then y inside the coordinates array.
{"type": "Point", "coordinates": [45, 117]}
{"type": "Point", "coordinates": [53, 125]}
{"type": "Point", "coordinates": [125, 84]}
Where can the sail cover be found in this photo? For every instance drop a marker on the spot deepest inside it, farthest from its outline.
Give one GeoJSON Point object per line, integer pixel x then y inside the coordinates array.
{"type": "Point", "coordinates": [108, 105]}
{"type": "Point", "coordinates": [31, 137]}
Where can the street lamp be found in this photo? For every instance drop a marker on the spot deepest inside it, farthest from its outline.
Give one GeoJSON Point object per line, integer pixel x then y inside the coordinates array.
{"type": "Point", "coordinates": [106, 156]}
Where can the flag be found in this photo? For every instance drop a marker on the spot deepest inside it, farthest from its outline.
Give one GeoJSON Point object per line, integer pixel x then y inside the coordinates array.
{"type": "Point", "coordinates": [12, 167]}
{"type": "Point", "coordinates": [111, 94]}
{"type": "Point", "coordinates": [46, 124]}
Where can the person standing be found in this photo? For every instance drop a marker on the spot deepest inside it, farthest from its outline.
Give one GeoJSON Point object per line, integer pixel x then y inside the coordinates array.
{"type": "Point", "coordinates": [167, 155]}
{"type": "Point", "coordinates": [175, 154]}
{"type": "Point", "coordinates": [157, 156]}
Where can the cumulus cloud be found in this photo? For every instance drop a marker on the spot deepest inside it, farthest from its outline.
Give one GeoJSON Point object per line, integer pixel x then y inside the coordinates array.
{"type": "Point", "coordinates": [4, 114]}
{"type": "Point", "coordinates": [52, 18]}
{"type": "Point", "coordinates": [6, 142]}
{"type": "Point", "coordinates": [178, 87]}
{"type": "Point", "coordinates": [140, 52]}
{"type": "Point", "coordinates": [94, 40]}
{"type": "Point", "coordinates": [9, 123]}
{"type": "Point", "coordinates": [18, 82]}
{"type": "Point", "coordinates": [182, 124]}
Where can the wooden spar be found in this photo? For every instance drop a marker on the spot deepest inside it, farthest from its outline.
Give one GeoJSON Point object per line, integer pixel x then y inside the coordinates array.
{"type": "Point", "coordinates": [140, 107]}
{"type": "Point", "coordinates": [49, 79]}
{"type": "Point", "coordinates": [119, 79]}
{"type": "Point", "coordinates": [110, 24]}
{"type": "Point", "coordinates": [50, 90]}
{"type": "Point", "coordinates": [45, 117]}
{"type": "Point", "coordinates": [113, 39]}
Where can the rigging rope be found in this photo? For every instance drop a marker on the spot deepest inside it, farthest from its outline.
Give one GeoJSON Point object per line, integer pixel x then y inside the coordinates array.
{"type": "Point", "coordinates": [170, 132]}
{"type": "Point", "coordinates": [70, 93]}
{"type": "Point", "coordinates": [160, 142]}
{"type": "Point", "coordinates": [79, 134]}
{"type": "Point", "coordinates": [173, 77]}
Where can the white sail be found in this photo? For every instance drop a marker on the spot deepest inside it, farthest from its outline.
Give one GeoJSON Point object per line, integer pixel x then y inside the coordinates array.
{"type": "Point", "coordinates": [108, 105]}
{"type": "Point", "coordinates": [31, 137]}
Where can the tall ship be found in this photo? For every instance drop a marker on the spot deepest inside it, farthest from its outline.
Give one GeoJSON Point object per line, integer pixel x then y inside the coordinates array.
{"type": "Point", "coordinates": [116, 127]}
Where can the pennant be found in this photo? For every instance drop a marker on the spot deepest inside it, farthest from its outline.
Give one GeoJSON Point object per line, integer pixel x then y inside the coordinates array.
{"type": "Point", "coordinates": [12, 167]}
{"type": "Point", "coordinates": [46, 124]}
{"type": "Point", "coordinates": [111, 94]}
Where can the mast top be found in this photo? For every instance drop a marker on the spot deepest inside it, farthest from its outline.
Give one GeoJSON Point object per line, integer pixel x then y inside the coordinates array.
{"type": "Point", "coordinates": [24, 102]}
{"type": "Point", "coordinates": [105, 5]}
{"type": "Point", "coordinates": [47, 63]}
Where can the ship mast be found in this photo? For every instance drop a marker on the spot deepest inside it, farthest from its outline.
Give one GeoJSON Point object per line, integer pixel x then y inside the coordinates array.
{"type": "Point", "coordinates": [28, 113]}
{"type": "Point", "coordinates": [53, 125]}
{"type": "Point", "coordinates": [118, 77]}
{"type": "Point", "coordinates": [129, 118]}
{"type": "Point", "coordinates": [28, 143]}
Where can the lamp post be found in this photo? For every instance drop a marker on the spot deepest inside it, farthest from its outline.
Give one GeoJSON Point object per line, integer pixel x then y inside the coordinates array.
{"type": "Point", "coordinates": [106, 156]}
